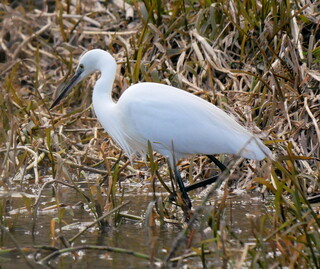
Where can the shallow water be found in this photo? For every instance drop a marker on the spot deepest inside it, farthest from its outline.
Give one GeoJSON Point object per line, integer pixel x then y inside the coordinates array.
{"type": "Point", "coordinates": [129, 234]}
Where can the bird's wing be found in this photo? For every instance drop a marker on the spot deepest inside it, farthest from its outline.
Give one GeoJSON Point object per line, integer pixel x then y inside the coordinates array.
{"type": "Point", "coordinates": [166, 115]}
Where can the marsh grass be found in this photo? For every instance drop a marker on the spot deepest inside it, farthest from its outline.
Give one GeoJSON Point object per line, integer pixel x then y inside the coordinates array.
{"type": "Point", "coordinates": [258, 60]}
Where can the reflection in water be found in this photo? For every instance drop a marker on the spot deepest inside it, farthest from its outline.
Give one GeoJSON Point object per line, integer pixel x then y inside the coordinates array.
{"type": "Point", "coordinates": [240, 211]}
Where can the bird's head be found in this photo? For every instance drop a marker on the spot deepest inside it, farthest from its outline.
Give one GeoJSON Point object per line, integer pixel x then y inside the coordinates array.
{"type": "Point", "coordinates": [89, 62]}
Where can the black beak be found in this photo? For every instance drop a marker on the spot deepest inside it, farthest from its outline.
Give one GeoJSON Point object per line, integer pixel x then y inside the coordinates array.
{"type": "Point", "coordinates": [75, 79]}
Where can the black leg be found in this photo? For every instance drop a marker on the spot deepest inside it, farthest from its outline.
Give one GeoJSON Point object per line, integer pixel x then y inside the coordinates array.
{"type": "Point", "coordinates": [217, 162]}
{"type": "Point", "coordinates": [182, 188]}
{"type": "Point", "coordinates": [210, 180]}
{"type": "Point", "coordinates": [202, 183]}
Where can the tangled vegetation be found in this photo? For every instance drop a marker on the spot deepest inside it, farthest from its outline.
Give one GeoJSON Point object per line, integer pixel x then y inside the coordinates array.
{"type": "Point", "coordinates": [258, 60]}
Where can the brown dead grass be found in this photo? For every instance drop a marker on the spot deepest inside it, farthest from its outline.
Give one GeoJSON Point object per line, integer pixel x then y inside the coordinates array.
{"type": "Point", "coordinates": [257, 60]}
{"type": "Point", "coordinates": [264, 72]}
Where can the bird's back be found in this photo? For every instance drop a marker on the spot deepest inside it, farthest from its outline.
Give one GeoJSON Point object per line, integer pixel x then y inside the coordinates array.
{"type": "Point", "coordinates": [175, 120]}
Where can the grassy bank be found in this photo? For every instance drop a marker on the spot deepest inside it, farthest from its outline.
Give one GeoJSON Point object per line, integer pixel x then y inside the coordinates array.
{"type": "Point", "coordinates": [259, 61]}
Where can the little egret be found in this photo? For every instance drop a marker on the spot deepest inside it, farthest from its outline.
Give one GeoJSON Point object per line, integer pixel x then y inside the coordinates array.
{"type": "Point", "coordinates": [177, 123]}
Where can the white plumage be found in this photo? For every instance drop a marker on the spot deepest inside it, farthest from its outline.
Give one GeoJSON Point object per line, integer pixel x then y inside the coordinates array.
{"type": "Point", "coordinates": [173, 120]}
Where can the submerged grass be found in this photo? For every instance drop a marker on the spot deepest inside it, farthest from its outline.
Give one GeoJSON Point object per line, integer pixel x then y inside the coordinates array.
{"type": "Point", "coordinates": [258, 60]}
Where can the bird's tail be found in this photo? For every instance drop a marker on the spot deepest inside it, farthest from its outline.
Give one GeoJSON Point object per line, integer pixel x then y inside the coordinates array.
{"type": "Point", "coordinates": [254, 149]}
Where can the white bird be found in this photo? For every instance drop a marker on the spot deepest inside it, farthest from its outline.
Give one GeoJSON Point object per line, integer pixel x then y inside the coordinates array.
{"type": "Point", "coordinates": [177, 123]}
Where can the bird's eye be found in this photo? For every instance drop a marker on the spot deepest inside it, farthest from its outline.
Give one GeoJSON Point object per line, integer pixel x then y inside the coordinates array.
{"type": "Point", "coordinates": [81, 66]}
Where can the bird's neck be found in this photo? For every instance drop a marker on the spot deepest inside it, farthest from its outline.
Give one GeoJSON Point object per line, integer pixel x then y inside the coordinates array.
{"type": "Point", "coordinates": [102, 94]}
